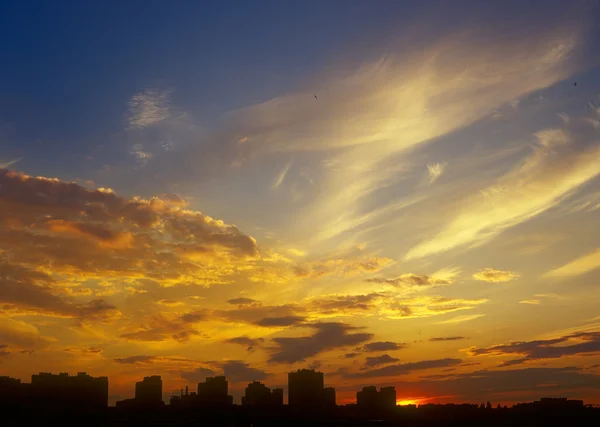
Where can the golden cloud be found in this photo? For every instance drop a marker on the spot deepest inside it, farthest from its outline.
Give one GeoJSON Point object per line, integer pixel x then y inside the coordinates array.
{"type": "Point", "coordinates": [492, 275]}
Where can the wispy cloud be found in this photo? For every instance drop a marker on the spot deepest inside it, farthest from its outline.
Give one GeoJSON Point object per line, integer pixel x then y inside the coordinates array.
{"type": "Point", "coordinates": [435, 170]}
{"type": "Point", "coordinates": [8, 163]}
{"type": "Point", "coordinates": [149, 107]}
{"type": "Point", "coordinates": [552, 170]}
{"type": "Point", "coordinates": [577, 267]}
{"type": "Point", "coordinates": [460, 319]}
{"type": "Point", "coordinates": [281, 177]}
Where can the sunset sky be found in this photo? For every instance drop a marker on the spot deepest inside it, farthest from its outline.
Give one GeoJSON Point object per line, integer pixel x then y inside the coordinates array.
{"type": "Point", "coordinates": [393, 192]}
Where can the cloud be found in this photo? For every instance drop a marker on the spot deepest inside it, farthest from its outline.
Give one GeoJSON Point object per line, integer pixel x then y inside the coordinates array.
{"type": "Point", "coordinates": [404, 368]}
{"type": "Point", "coordinates": [577, 267]}
{"type": "Point", "coordinates": [28, 291]}
{"type": "Point", "coordinates": [530, 301]}
{"type": "Point", "coordinates": [281, 177]}
{"type": "Point", "coordinates": [384, 359]}
{"type": "Point", "coordinates": [437, 339]}
{"type": "Point", "coordinates": [556, 166]}
{"type": "Point", "coordinates": [460, 319]}
{"type": "Point", "coordinates": [198, 375]}
{"type": "Point", "coordinates": [268, 322]}
{"type": "Point", "coordinates": [4, 350]}
{"type": "Point", "coordinates": [49, 225]}
{"type": "Point", "coordinates": [344, 304]}
{"type": "Point", "coordinates": [238, 371]}
{"type": "Point", "coordinates": [435, 170]}
{"type": "Point", "coordinates": [249, 343]}
{"type": "Point", "coordinates": [520, 384]}
{"type": "Point", "coordinates": [148, 108]}
{"type": "Point", "coordinates": [9, 163]}
{"type": "Point", "coordinates": [350, 355]}
{"type": "Point", "coordinates": [580, 343]}
{"type": "Point", "coordinates": [512, 362]}
{"type": "Point", "coordinates": [492, 275]}
{"type": "Point", "coordinates": [241, 301]}
{"type": "Point", "coordinates": [341, 267]}
{"type": "Point", "coordinates": [328, 336]}
{"type": "Point", "coordinates": [409, 279]}
{"type": "Point", "coordinates": [382, 346]}
{"type": "Point", "coordinates": [134, 360]}
{"type": "Point", "coordinates": [21, 335]}
{"type": "Point", "coordinates": [235, 370]}
{"type": "Point", "coordinates": [160, 328]}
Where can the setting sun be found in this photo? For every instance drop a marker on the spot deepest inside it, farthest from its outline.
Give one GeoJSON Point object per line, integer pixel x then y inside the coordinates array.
{"type": "Point", "coordinates": [406, 402]}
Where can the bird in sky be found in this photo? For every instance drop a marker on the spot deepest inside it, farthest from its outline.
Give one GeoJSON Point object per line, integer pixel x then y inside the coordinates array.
{"type": "Point", "coordinates": [575, 84]}
{"type": "Point", "coordinates": [316, 97]}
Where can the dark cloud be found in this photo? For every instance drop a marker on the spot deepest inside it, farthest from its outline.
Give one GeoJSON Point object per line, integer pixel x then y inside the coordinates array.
{"type": "Point", "coordinates": [327, 337]}
{"type": "Point", "coordinates": [235, 371]}
{"type": "Point", "coordinates": [249, 343]}
{"type": "Point", "coordinates": [344, 303]}
{"type": "Point", "coordinates": [350, 355]}
{"type": "Point", "coordinates": [241, 301]}
{"type": "Point", "coordinates": [280, 321]}
{"type": "Point", "coordinates": [83, 350]}
{"type": "Point", "coordinates": [238, 371]}
{"type": "Point", "coordinates": [133, 360]}
{"type": "Point", "coordinates": [25, 289]}
{"type": "Point", "coordinates": [404, 368]}
{"type": "Point", "coordinates": [196, 316]}
{"type": "Point", "coordinates": [382, 346]}
{"type": "Point", "coordinates": [512, 362]}
{"type": "Point", "coordinates": [4, 350]}
{"type": "Point", "coordinates": [159, 328]}
{"type": "Point", "coordinates": [379, 360]}
{"type": "Point", "coordinates": [435, 339]}
{"type": "Point", "coordinates": [410, 279]}
{"type": "Point", "coordinates": [253, 313]}
{"type": "Point", "coordinates": [568, 345]}
{"type": "Point", "coordinates": [520, 384]}
{"type": "Point", "coordinates": [197, 375]}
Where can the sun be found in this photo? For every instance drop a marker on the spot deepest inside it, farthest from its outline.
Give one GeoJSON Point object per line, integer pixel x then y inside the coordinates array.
{"type": "Point", "coordinates": [405, 402]}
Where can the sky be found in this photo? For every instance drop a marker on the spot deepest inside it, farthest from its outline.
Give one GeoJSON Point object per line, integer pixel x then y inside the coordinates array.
{"type": "Point", "coordinates": [394, 193]}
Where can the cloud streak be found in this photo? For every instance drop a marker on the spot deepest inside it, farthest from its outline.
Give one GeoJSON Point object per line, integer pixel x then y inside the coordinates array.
{"type": "Point", "coordinates": [552, 170]}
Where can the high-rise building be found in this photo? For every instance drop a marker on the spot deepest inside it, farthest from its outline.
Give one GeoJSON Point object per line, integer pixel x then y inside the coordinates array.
{"type": "Point", "coordinates": [258, 394]}
{"type": "Point", "coordinates": [387, 397]}
{"type": "Point", "coordinates": [149, 389]}
{"type": "Point", "coordinates": [214, 391]}
{"type": "Point", "coordinates": [369, 398]}
{"type": "Point", "coordinates": [277, 396]}
{"type": "Point", "coordinates": [306, 389]}
{"type": "Point", "coordinates": [329, 397]}
{"type": "Point", "coordinates": [81, 392]}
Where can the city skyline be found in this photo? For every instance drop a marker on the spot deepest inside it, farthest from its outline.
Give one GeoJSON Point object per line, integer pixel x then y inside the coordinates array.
{"type": "Point", "coordinates": [307, 385]}
{"type": "Point", "coordinates": [394, 193]}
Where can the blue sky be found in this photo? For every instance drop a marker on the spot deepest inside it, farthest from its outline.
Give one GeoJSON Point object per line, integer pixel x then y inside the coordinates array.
{"type": "Point", "coordinates": [165, 158]}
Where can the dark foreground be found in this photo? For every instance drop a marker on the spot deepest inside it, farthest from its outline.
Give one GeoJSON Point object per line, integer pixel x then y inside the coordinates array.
{"type": "Point", "coordinates": [428, 415]}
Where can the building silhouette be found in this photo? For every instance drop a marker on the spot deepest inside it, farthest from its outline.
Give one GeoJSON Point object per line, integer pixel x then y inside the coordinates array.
{"type": "Point", "coordinates": [258, 394]}
{"type": "Point", "coordinates": [370, 399]}
{"type": "Point", "coordinates": [82, 400]}
{"type": "Point", "coordinates": [148, 394]}
{"type": "Point", "coordinates": [306, 390]}
{"type": "Point", "coordinates": [329, 397]}
{"type": "Point", "coordinates": [214, 391]}
{"type": "Point", "coordinates": [149, 389]}
{"type": "Point", "coordinates": [81, 392]}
